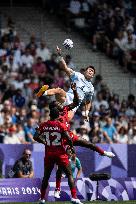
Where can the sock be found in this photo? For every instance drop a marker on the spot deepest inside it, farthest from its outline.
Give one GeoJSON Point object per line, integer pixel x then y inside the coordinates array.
{"type": "Point", "coordinates": [73, 192]}
{"type": "Point", "coordinates": [58, 184]}
{"type": "Point", "coordinates": [43, 191]}
{"type": "Point", "coordinates": [99, 150]}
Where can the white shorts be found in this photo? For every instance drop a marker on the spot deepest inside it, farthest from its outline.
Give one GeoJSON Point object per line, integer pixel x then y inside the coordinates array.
{"type": "Point", "coordinates": [69, 100]}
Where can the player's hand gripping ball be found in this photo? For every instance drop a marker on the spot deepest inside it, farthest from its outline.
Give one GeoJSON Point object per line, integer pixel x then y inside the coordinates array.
{"type": "Point", "coordinates": [68, 44]}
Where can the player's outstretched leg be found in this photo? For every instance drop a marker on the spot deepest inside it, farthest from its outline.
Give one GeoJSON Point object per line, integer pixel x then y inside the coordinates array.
{"type": "Point", "coordinates": [83, 143]}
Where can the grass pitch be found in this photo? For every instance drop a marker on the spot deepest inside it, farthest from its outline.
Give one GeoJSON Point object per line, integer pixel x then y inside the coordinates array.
{"type": "Point", "coordinates": [91, 202]}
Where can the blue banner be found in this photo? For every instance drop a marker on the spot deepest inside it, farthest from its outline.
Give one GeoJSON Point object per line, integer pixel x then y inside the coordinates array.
{"type": "Point", "coordinates": [19, 190]}
{"type": "Point", "coordinates": [28, 190]}
{"type": "Point", "coordinates": [123, 165]}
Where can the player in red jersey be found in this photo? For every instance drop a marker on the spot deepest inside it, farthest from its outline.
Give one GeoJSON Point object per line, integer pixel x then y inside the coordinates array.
{"type": "Point", "coordinates": [64, 118]}
{"type": "Point", "coordinates": [77, 141]}
{"type": "Point", "coordinates": [52, 134]}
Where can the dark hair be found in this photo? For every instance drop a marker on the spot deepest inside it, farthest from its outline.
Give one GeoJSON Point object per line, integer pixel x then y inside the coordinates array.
{"type": "Point", "coordinates": [54, 113]}
{"type": "Point", "coordinates": [82, 70]}
{"type": "Point", "coordinates": [39, 58]}
{"type": "Point", "coordinates": [90, 66]}
{"type": "Point", "coordinates": [52, 105]}
{"type": "Point", "coordinates": [124, 130]}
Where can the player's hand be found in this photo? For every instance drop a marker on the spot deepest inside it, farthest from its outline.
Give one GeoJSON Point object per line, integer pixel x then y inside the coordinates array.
{"type": "Point", "coordinates": [73, 86]}
{"type": "Point", "coordinates": [58, 50]}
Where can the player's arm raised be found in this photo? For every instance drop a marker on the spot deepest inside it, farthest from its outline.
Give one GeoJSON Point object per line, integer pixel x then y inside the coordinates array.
{"type": "Point", "coordinates": [63, 64]}
{"type": "Point", "coordinates": [76, 97]}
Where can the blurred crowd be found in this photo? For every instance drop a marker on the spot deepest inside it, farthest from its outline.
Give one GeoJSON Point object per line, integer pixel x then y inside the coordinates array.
{"type": "Point", "coordinates": [110, 26]}
{"type": "Point", "coordinates": [25, 67]}
{"type": "Point", "coordinates": [111, 120]}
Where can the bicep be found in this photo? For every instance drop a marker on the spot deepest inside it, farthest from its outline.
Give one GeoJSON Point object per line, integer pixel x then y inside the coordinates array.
{"type": "Point", "coordinates": [74, 75]}
{"type": "Point", "coordinates": [64, 66]}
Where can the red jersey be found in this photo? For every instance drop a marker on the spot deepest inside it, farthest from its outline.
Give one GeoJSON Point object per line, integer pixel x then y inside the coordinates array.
{"type": "Point", "coordinates": [64, 117]}
{"type": "Point", "coordinates": [52, 133]}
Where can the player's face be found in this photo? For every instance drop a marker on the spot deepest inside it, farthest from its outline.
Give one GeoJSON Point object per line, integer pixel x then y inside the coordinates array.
{"type": "Point", "coordinates": [89, 73]}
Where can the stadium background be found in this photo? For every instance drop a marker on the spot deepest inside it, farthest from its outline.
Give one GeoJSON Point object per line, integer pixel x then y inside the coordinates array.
{"type": "Point", "coordinates": [52, 23]}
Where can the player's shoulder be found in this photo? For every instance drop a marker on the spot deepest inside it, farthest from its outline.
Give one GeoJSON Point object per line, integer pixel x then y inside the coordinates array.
{"type": "Point", "coordinates": [79, 74]}
{"type": "Point", "coordinates": [60, 123]}
{"type": "Point", "coordinates": [54, 123]}
{"type": "Point", "coordinates": [76, 75]}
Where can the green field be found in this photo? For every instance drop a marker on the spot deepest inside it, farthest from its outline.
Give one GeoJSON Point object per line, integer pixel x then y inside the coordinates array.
{"type": "Point", "coordinates": [92, 202]}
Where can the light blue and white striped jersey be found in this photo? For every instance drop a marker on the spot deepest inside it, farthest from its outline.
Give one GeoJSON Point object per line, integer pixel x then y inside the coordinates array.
{"type": "Point", "coordinates": [85, 88]}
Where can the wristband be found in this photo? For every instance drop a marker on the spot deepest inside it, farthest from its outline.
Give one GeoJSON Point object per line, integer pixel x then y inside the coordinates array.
{"type": "Point", "coordinates": [45, 93]}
